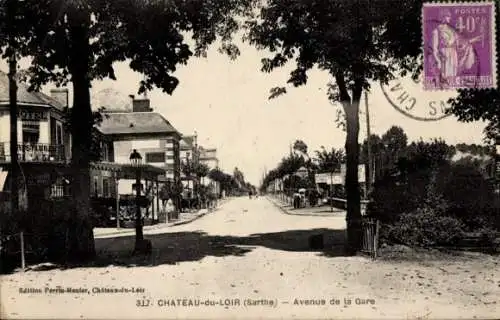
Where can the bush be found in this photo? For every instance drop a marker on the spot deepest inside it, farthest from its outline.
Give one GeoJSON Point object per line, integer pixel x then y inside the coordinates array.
{"type": "Point", "coordinates": [391, 199]}
{"type": "Point", "coordinates": [467, 190]}
{"type": "Point", "coordinates": [424, 228]}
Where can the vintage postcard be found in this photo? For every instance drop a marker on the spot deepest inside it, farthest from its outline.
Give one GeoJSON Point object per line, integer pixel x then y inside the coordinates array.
{"type": "Point", "coordinates": [247, 159]}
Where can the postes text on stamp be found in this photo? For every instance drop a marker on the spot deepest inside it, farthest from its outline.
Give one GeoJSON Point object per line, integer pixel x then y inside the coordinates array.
{"type": "Point", "coordinates": [459, 45]}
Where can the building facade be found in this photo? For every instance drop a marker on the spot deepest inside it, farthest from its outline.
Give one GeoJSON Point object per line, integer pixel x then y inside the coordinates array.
{"type": "Point", "coordinates": [151, 135]}
{"type": "Point", "coordinates": [44, 141]}
{"type": "Point", "coordinates": [44, 148]}
{"type": "Point", "coordinates": [208, 156]}
{"type": "Point", "coordinates": [191, 151]}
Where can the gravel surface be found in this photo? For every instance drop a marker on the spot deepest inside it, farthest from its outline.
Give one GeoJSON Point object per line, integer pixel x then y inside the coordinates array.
{"type": "Point", "coordinates": [250, 260]}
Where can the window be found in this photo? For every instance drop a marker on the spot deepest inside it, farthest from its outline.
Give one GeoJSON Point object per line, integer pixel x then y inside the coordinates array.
{"type": "Point", "coordinates": [57, 191]}
{"type": "Point", "coordinates": [105, 151]}
{"type": "Point", "coordinates": [96, 186]}
{"type": "Point", "coordinates": [106, 190]}
{"type": "Point", "coordinates": [59, 134]}
{"type": "Point", "coordinates": [155, 157]}
{"type": "Point", "coordinates": [59, 188]}
{"type": "Point", "coordinates": [31, 132]}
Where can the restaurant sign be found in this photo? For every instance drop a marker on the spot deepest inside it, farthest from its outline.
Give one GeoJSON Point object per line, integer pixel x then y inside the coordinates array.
{"type": "Point", "coordinates": [28, 115]}
{"type": "Point", "coordinates": [32, 115]}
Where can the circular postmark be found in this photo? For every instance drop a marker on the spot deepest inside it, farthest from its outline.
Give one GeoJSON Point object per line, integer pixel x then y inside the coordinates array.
{"type": "Point", "coordinates": [408, 97]}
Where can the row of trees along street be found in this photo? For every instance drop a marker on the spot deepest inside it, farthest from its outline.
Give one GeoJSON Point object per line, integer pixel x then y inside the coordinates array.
{"type": "Point", "coordinates": [355, 42]}
{"type": "Point", "coordinates": [425, 193]}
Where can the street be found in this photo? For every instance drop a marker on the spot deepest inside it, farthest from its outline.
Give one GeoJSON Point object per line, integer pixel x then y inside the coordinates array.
{"type": "Point", "coordinates": [249, 259]}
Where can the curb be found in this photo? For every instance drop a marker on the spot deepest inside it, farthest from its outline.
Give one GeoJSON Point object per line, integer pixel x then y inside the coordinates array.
{"type": "Point", "coordinates": [190, 220]}
{"type": "Point", "coordinates": [276, 204]}
{"type": "Point", "coordinates": [285, 211]}
{"type": "Point", "coordinates": [198, 216]}
{"type": "Point", "coordinates": [147, 228]}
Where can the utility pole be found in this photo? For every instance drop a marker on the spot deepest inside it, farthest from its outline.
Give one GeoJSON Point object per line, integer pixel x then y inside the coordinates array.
{"type": "Point", "coordinates": [196, 184]}
{"type": "Point", "coordinates": [368, 182]}
{"type": "Point", "coordinates": [14, 161]}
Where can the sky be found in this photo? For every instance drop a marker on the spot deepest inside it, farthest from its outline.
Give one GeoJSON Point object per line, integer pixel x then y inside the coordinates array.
{"type": "Point", "coordinates": [226, 102]}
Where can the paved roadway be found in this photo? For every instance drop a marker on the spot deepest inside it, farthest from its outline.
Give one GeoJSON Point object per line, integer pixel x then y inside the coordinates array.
{"type": "Point", "coordinates": [255, 260]}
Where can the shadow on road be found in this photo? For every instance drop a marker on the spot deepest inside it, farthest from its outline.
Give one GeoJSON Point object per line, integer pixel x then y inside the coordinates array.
{"type": "Point", "coordinates": [172, 248]}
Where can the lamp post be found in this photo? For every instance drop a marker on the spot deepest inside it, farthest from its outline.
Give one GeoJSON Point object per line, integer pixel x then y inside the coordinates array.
{"type": "Point", "coordinates": [136, 162]}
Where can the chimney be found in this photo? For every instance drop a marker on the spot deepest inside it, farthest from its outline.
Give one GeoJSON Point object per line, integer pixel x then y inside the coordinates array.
{"type": "Point", "coordinates": [141, 105]}
{"type": "Point", "coordinates": [61, 96]}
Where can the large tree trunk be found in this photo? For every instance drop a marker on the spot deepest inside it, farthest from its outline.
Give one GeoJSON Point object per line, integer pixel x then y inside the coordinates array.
{"type": "Point", "coordinates": [353, 195]}
{"type": "Point", "coordinates": [81, 238]}
{"type": "Point", "coordinates": [353, 217]}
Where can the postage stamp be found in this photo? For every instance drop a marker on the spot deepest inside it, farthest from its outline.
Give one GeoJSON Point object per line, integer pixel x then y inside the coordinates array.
{"type": "Point", "coordinates": [459, 45]}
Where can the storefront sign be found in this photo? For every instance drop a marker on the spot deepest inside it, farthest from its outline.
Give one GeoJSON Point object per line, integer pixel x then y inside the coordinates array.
{"type": "Point", "coordinates": [322, 177]}
{"type": "Point", "coordinates": [32, 115]}
{"type": "Point", "coordinates": [40, 179]}
{"type": "Point", "coordinates": [329, 178]}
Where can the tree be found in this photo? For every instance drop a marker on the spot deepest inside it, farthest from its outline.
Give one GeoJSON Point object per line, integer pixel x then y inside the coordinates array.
{"type": "Point", "coordinates": [216, 175]}
{"type": "Point", "coordinates": [239, 177]}
{"type": "Point", "coordinates": [201, 170]}
{"type": "Point", "coordinates": [329, 161]}
{"type": "Point", "coordinates": [395, 140]}
{"type": "Point", "coordinates": [301, 147]}
{"type": "Point", "coordinates": [226, 181]}
{"type": "Point", "coordinates": [377, 155]}
{"type": "Point", "coordinates": [79, 41]}
{"type": "Point", "coordinates": [355, 42]}
{"type": "Point", "coordinates": [474, 105]}
{"type": "Point", "coordinates": [194, 169]}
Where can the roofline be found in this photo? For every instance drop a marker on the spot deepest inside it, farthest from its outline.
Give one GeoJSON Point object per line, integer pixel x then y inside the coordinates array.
{"type": "Point", "coordinates": [21, 103]}
{"type": "Point", "coordinates": [166, 133]}
{"type": "Point", "coordinates": [129, 112]}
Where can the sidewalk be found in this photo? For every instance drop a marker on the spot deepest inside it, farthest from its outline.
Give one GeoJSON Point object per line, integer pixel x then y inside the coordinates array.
{"type": "Point", "coordinates": [184, 218]}
{"type": "Point", "coordinates": [320, 210]}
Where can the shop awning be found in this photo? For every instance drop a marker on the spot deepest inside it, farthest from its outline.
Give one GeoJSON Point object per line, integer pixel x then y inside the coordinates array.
{"type": "Point", "coordinates": [127, 171]}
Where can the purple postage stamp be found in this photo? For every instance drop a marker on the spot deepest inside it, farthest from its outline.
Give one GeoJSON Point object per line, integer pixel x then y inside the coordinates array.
{"type": "Point", "coordinates": [459, 45]}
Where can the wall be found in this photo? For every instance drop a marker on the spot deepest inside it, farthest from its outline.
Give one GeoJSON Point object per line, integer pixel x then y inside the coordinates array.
{"type": "Point", "coordinates": [122, 149]}
{"type": "Point", "coordinates": [44, 132]}
{"type": "Point", "coordinates": [97, 180]}
{"type": "Point", "coordinates": [125, 186]}
{"type": "Point", "coordinates": [170, 161]}
{"type": "Point", "coordinates": [4, 127]}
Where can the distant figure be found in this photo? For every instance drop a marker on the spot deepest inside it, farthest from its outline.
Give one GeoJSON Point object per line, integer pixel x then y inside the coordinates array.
{"type": "Point", "coordinates": [296, 200]}
{"type": "Point", "coordinates": [313, 198]}
{"type": "Point", "coordinates": [250, 194]}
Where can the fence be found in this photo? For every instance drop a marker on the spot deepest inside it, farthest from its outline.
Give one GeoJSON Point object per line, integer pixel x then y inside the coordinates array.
{"type": "Point", "coordinates": [370, 228]}
{"type": "Point", "coordinates": [23, 248]}
{"type": "Point", "coordinates": [370, 236]}
{"type": "Point", "coordinates": [12, 245]}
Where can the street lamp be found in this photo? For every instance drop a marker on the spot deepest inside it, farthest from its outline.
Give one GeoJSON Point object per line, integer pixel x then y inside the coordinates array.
{"type": "Point", "coordinates": [136, 162]}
